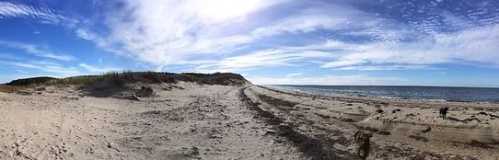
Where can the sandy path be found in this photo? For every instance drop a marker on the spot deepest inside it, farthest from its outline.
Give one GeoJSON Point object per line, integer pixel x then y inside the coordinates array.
{"type": "Point", "coordinates": [197, 122]}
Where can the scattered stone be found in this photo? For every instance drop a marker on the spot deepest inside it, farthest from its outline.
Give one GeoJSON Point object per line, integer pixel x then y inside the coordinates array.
{"type": "Point", "coordinates": [419, 138]}
{"type": "Point", "coordinates": [24, 93]}
{"type": "Point", "coordinates": [479, 144]}
{"type": "Point", "coordinates": [40, 89]}
{"type": "Point", "coordinates": [379, 111]}
{"type": "Point", "coordinates": [396, 110]}
{"type": "Point", "coordinates": [70, 98]}
{"type": "Point", "coordinates": [215, 134]}
{"type": "Point", "coordinates": [90, 150]}
{"type": "Point", "coordinates": [472, 119]}
{"type": "Point", "coordinates": [347, 119]}
{"type": "Point", "coordinates": [132, 97]}
{"type": "Point", "coordinates": [270, 133]}
{"type": "Point", "coordinates": [144, 92]}
{"type": "Point", "coordinates": [426, 130]}
{"type": "Point", "coordinates": [384, 133]}
{"type": "Point", "coordinates": [323, 116]}
{"type": "Point", "coordinates": [109, 145]}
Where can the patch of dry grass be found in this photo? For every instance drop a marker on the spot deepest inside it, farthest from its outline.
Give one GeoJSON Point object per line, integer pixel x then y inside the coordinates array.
{"type": "Point", "coordinates": [9, 89]}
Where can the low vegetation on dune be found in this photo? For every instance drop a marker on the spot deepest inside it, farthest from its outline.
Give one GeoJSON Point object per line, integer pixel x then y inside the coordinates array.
{"type": "Point", "coordinates": [122, 78]}
{"type": "Point", "coordinates": [8, 89]}
{"type": "Point", "coordinates": [30, 81]}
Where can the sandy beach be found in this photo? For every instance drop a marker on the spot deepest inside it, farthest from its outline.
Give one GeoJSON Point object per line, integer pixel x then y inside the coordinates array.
{"type": "Point", "coordinates": [187, 120]}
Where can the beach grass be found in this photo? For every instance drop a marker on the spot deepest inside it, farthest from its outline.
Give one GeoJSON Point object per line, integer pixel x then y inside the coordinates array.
{"type": "Point", "coordinates": [131, 77]}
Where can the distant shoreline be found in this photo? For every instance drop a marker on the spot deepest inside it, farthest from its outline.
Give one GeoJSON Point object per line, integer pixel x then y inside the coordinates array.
{"type": "Point", "coordinates": [377, 98]}
{"type": "Point", "coordinates": [312, 85]}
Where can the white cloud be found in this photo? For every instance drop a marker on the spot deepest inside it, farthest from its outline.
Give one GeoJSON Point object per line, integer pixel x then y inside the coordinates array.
{"type": "Point", "coordinates": [167, 31]}
{"type": "Point", "coordinates": [37, 51]}
{"type": "Point", "coordinates": [290, 75]}
{"type": "Point", "coordinates": [386, 67]}
{"type": "Point", "coordinates": [99, 41]}
{"type": "Point", "coordinates": [327, 80]}
{"type": "Point", "coordinates": [215, 11]}
{"type": "Point", "coordinates": [301, 23]}
{"type": "Point", "coordinates": [8, 10]}
{"type": "Point", "coordinates": [176, 32]}
{"type": "Point", "coordinates": [476, 45]}
{"type": "Point", "coordinates": [46, 67]}
{"type": "Point", "coordinates": [325, 16]}
{"type": "Point", "coordinates": [96, 69]}
{"type": "Point", "coordinates": [264, 58]}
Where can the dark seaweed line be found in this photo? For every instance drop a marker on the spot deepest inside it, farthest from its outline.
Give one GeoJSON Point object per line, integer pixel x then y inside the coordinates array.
{"type": "Point", "coordinates": [310, 147]}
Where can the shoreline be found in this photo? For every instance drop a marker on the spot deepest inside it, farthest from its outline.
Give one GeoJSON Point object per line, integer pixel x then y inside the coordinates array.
{"type": "Point", "coordinates": [358, 94]}
{"type": "Point", "coordinates": [477, 104]}
{"type": "Point", "coordinates": [480, 87]}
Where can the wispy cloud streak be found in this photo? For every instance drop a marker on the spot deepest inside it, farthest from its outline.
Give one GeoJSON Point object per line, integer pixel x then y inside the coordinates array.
{"type": "Point", "coordinates": [14, 10]}
{"type": "Point", "coordinates": [327, 80]}
{"type": "Point", "coordinates": [37, 51]}
{"type": "Point", "coordinates": [45, 67]}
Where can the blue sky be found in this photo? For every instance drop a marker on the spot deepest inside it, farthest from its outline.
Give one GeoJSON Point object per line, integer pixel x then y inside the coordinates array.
{"type": "Point", "coordinates": [326, 42]}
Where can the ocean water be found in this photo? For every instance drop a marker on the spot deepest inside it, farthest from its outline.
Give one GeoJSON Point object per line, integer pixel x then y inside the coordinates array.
{"type": "Point", "coordinates": [456, 94]}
